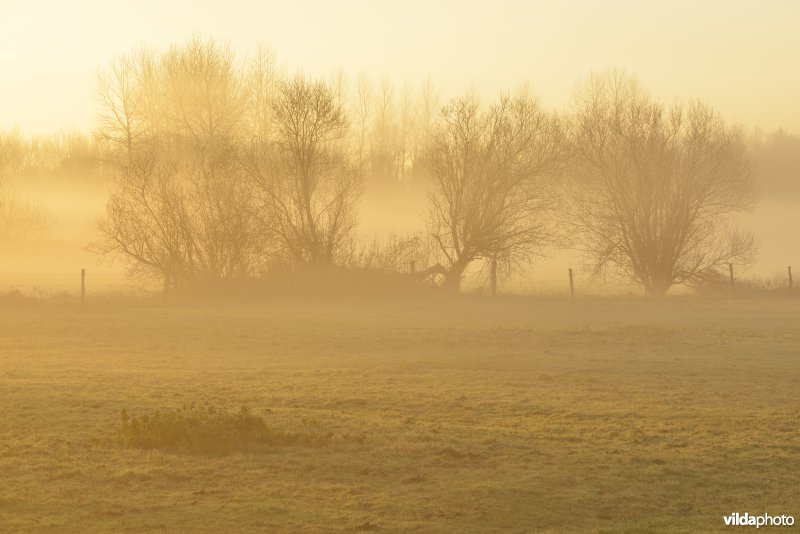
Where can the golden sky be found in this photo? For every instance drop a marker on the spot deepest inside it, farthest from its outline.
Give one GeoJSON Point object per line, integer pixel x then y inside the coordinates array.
{"type": "Point", "coordinates": [742, 56]}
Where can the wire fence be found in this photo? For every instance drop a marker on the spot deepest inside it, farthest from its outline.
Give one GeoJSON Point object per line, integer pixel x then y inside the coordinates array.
{"type": "Point", "coordinates": [75, 283]}
{"type": "Point", "coordinates": [576, 281]}
{"type": "Point", "coordinates": [571, 282]}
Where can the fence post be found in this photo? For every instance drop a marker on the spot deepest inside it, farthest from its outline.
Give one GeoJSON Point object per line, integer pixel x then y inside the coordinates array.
{"type": "Point", "coordinates": [571, 286]}
{"type": "Point", "coordinates": [83, 285]}
{"type": "Point", "coordinates": [494, 277]}
{"type": "Point", "coordinates": [412, 266]}
{"type": "Point", "coordinates": [791, 283]}
{"type": "Point", "coordinates": [730, 270]}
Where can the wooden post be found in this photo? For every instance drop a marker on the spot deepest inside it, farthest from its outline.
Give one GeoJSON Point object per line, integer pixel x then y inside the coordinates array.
{"type": "Point", "coordinates": [83, 285]}
{"type": "Point", "coordinates": [730, 270]}
{"type": "Point", "coordinates": [791, 283]}
{"type": "Point", "coordinates": [412, 267]}
{"type": "Point", "coordinates": [494, 277]}
{"type": "Point", "coordinates": [571, 285]}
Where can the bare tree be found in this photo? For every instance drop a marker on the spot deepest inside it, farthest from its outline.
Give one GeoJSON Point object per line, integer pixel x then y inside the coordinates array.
{"type": "Point", "coordinates": [385, 136]}
{"type": "Point", "coordinates": [262, 80]}
{"type": "Point", "coordinates": [14, 153]}
{"type": "Point", "coordinates": [362, 108]}
{"type": "Point", "coordinates": [226, 240]}
{"type": "Point", "coordinates": [406, 131]}
{"type": "Point", "coordinates": [207, 98]}
{"type": "Point", "coordinates": [493, 182]}
{"type": "Point", "coordinates": [20, 217]}
{"type": "Point", "coordinates": [183, 209]}
{"type": "Point", "coordinates": [308, 186]}
{"type": "Point", "coordinates": [655, 187]}
{"type": "Point", "coordinates": [189, 228]}
{"type": "Point", "coordinates": [147, 222]}
{"type": "Point", "coordinates": [427, 105]}
{"type": "Point", "coordinates": [124, 93]}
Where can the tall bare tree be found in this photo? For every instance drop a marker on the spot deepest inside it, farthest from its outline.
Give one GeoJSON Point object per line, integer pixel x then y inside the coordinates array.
{"type": "Point", "coordinates": [183, 210]}
{"type": "Point", "coordinates": [308, 186]}
{"type": "Point", "coordinates": [493, 172]}
{"type": "Point", "coordinates": [655, 187]}
{"type": "Point", "coordinates": [125, 92]}
{"type": "Point", "coordinates": [427, 106]}
{"type": "Point", "coordinates": [362, 111]}
{"type": "Point", "coordinates": [262, 78]}
{"type": "Point", "coordinates": [384, 136]}
{"type": "Point", "coordinates": [207, 97]}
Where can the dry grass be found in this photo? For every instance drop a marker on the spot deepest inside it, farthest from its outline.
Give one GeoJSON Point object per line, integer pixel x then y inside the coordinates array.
{"type": "Point", "coordinates": [508, 415]}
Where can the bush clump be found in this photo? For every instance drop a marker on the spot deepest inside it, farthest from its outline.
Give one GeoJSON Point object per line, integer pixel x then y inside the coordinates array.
{"type": "Point", "coordinates": [205, 430]}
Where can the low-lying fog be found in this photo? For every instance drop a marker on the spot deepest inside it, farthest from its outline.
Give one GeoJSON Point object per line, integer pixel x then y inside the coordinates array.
{"type": "Point", "coordinates": [51, 259]}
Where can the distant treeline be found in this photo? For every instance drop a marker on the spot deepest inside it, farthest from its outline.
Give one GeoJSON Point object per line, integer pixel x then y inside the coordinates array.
{"type": "Point", "coordinates": [76, 155]}
{"type": "Point", "coordinates": [229, 167]}
{"type": "Point", "coordinates": [65, 153]}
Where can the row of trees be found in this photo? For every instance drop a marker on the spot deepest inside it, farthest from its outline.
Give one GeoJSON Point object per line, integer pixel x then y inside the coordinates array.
{"type": "Point", "coordinates": [39, 155]}
{"type": "Point", "coordinates": [229, 168]}
{"type": "Point", "coordinates": [22, 217]}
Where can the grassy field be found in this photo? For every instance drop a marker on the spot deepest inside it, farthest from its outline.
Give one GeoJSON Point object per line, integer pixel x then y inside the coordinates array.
{"type": "Point", "coordinates": [512, 414]}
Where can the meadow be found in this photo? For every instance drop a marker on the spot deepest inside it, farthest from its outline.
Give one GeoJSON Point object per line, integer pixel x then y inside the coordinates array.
{"type": "Point", "coordinates": [467, 415]}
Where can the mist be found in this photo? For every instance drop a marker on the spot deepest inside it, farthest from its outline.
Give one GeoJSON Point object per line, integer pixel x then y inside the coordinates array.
{"type": "Point", "coordinates": [437, 267]}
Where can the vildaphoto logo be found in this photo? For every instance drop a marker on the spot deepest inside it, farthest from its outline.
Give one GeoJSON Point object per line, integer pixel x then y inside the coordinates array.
{"type": "Point", "coordinates": [765, 520]}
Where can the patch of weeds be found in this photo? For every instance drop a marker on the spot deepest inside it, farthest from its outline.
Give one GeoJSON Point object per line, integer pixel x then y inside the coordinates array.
{"type": "Point", "coordinates": [357, 438]}
{"type": "Point", "coordinates": [450, 452]}
{"type": "Point", "coordinates": [207, 430]}
{"type": "Point", "coordinates": [366, 526]}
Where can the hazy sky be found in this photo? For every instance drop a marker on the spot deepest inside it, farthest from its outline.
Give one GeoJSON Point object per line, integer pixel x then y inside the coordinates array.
{"type": "Point", "coordinates": [741, 56]}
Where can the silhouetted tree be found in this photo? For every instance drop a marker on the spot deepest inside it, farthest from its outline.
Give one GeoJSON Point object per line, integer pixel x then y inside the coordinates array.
{"type": "Point", "coordinates": [126, 93]}
{"type": "Point", "coordinates": [654, 187]}
{"type": "Point", "coordinates": [308, 186]}
{"type": "Point", "coordinates": [148, 223]}
{"type": "Point", "coordinates": [183, 209]}
{"type": "Point", "coordinates": [206, 99]}
{"type": "Point", "coordinates": [361, 113]}
{"type": "Point", "coordinates": [493, 195]}
{"type": "Point", "coordinates": [385, 144]}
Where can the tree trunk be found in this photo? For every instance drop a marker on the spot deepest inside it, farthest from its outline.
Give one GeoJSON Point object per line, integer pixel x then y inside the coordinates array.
{"type": "Point", "coordinates": [452, 280]}
{"type": "Point", "coordinates": [656, 288]}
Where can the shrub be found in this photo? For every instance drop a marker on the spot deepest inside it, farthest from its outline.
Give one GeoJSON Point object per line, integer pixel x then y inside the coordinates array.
{"type": "Point", "coordinates": [205, 430]}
